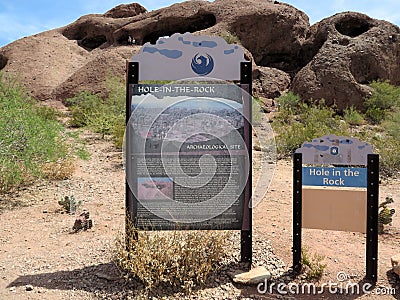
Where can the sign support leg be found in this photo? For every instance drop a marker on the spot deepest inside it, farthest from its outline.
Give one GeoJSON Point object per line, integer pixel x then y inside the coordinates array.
{"type": "Point", "coordinates": [297, 211]}
{"type": "Point", "coordinates": [372, 217]}
{"type": "Point", "coordinates": [246, 247]}
{"type": "Point", "coordinates": [132, 77]}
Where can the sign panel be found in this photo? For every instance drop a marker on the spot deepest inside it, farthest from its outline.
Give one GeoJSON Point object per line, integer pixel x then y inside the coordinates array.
{"type": "Point", "coordinates": [188, 156]}
{"type": "Point", "coordinates": [335, 177]}
{"type": "Point", "coordinates": [187, 56]}
{"type": "Point", "coordinates": [335, 150]}
{"type": "Point", "coordinates": [333, 209]}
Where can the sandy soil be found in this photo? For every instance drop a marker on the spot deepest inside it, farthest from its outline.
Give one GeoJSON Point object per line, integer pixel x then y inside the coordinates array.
{"type": "Point", "coordinates": [39, 252]}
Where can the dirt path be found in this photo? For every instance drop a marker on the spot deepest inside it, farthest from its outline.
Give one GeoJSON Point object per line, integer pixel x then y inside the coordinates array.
{"type": "Point", "coordinates": [38, 251]}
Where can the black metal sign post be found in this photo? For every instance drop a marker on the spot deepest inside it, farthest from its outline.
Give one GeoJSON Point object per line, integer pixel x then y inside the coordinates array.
{"type": "Point", "coordinates": [372, 217]}
{"type": "Point", "coordinates": [372, 166]}
{"type": "Point", "coordinates": [297, 211]}
{"type": "Point", "coordinates": [246, 232]}
{"type": "Point", "coordinates": [132, 77]}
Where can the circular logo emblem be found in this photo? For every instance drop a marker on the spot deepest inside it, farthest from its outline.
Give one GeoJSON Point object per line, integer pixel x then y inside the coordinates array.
{"type": "Point", "coordinates": [202, 64]}
{"type": "Point", "coordinates": [334, 150]}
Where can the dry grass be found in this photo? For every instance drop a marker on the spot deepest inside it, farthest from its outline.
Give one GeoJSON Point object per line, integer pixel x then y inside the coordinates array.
{"type": "Point", "coordinates": [59, 170]}
{"type": "Point", "coordinates": [181, 259]}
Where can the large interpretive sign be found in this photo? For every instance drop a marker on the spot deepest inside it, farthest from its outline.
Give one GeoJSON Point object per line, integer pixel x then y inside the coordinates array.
{"type": "Point", "coordinates": [188, 141]}
{"type": "Point", "coordinates": [188, 156]}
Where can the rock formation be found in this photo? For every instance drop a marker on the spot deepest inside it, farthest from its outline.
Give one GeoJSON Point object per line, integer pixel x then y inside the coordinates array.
{"type": "Point", "coordinates": [349, 51]}
{"type": "Point", "coordinates": [334, 59]}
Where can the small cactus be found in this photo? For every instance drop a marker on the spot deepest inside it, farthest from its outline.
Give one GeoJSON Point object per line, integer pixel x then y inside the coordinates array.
{"type": "Point", "coordinates": [385, 215]}
{"type": "Point", "coordinates": [70, 204]}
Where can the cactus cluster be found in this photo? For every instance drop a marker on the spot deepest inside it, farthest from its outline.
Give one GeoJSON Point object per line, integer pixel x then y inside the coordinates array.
{"type": "Point", "coordinates": [70, 204]}
{"type": "Point", "coordinates": [385, 214]}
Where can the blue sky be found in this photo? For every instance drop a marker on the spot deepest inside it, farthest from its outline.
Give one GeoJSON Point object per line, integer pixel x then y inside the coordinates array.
{"type": "Point", "coordinates": [19, 18]}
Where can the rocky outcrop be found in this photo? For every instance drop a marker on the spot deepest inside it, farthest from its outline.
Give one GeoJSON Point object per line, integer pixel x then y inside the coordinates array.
{"type": "Point", "coordinates": [269, 82]}
{"type": "Point", "coordinates": [334, 59]}
{"type": "Point", "coordinates": [43, 61]}
{"type": "Point", "coordinates": [60, 63]}
{"type": "Point", "coordinates": [348, 50]}
{"type": "Point", "coordinates": [91, 77]}
{"type": "Point", "coordinates": [274, 34]}
{"type": "Point", "coordinates": [125, 11]}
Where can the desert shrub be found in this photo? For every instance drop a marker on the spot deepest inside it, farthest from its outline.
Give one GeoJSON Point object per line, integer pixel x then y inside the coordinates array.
{"type": "Point", "coordinates": [392, 124]}
{"type": "Point", "coordinates": [312, 264]}
{"type": "Point", "coordinates": [82, 106]}
{"type": "Point", "coordinates": [58, 170]}
{"type": "Point", "coordinates": [31, 139]}
{"type": "Point", "coordinates": [290, 102]}
{"type": "Point", "coordinates": [353, 117]}
{"type": "Point", "coordinates": [229, 37]}
{"type": "Point", "coordinates": [389, 156]}
{"type": "Point", "coordinates": [104, 116]}
{"type": "Point", "coordinates": [385, 107]}
{"type": "Point", "coordinates": [385, 97]}
{"type": "Point", "coordinates": [312, 120]}
{"type": "Point", "coordinates": [299, 122]}
{"type": "Point", "coordinates": [387, 146]}
{"type": "Point", "coordinates": [182, 259]}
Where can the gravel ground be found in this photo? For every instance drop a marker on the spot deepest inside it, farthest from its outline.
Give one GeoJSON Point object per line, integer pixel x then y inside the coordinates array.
{"type": "Point", "coordinates": [41, 257]}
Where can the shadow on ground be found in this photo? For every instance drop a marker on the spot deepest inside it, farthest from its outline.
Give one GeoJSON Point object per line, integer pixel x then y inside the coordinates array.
{"type": "Point", "coordinates": [395, 283]}
{"type": "Point", "coordinates": [105, 280]}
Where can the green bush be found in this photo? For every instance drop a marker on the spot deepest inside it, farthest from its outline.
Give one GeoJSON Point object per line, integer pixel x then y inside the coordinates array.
{"type": "Point", "coordinates": [230, 38]}
{"type": "Point", "coordinates": [104, 116]}
{"type": "Point", "coordinates": [312, 264]}
{"type": "Point", "coordinates": [389, 152]}
{"type": "Point", "coordinates": [82, 107]}
{"type": "Point", "coordinates": [384, 99]}
{"type": "Point", "coordinates": [353, 117]}
{"type": "Point", "coordinates": [392, 125]}
{"type": "Point", "coordinates": [312, 120]}
{"type": "Point", "coordinates": [32, 142]}
{"type": "Point", "coordinates": [290, 102]}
